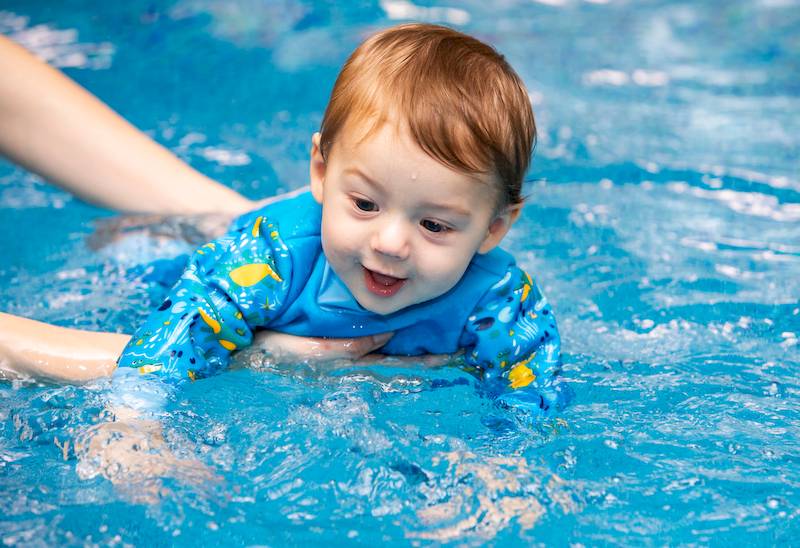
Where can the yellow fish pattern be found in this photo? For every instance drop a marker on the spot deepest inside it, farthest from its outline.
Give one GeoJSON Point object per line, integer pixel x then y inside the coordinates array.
{"type": "Point", "coordinates": [516, 345]}
{"type": "Point", "coordinates": [212, 309]}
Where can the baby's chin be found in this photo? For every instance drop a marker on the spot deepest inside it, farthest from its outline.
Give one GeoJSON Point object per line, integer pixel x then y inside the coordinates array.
{"type": "Point", "coordinates": [381, 307]}
{"type": "Point", "coordinates": [385, 306]}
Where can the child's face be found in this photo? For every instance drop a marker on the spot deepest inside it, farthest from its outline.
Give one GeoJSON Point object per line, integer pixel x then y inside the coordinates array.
{"type": "Point", "coordinates": [398, 227]}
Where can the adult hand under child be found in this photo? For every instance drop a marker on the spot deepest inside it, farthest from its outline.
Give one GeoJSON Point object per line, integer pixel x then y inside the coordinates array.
{"type": "Point", "coordinates": [32, 349]}
{"type": "Point", "coordinates": [284, 347]}
{"type": "Point", "coordinates": [192, 229]}
{"type": "Point", "coordinates": [195, 229]}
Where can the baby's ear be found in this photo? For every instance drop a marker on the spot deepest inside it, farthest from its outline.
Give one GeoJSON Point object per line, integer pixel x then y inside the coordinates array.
{"type": "Point", "coordinates": [316, 168]}
{"type": "Point", "coordinates": [499, 227]}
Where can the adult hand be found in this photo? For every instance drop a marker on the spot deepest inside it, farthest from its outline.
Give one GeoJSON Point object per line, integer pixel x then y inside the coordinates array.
{"type": "Point", "coordinates": [283, 347]}
{"type": "Point", "coordinates": [193, 229]}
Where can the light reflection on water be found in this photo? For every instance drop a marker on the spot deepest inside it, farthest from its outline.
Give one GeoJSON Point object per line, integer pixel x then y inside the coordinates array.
{"type": "Point", "coordinates": [662, 221]}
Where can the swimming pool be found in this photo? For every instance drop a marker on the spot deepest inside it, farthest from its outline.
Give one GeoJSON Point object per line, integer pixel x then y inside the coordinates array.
{"type": "Point", "coordinates": [663, 222]}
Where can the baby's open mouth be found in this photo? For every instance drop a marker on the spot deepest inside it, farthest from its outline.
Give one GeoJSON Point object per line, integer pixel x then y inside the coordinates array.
{"type": "Point", "coordinates": [381, 284]}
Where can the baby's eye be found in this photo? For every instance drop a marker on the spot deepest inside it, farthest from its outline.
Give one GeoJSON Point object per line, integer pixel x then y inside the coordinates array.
{"type": "Point", "coordinates": [433, 226]}
{"type": "Point", "coordinates": [365, 205]}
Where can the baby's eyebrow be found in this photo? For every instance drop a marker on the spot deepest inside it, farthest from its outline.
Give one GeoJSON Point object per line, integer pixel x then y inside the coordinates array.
{"type": "Point", "coordinates": [450, 208]}
{"type": "Point", "coordinates": [367, 179]}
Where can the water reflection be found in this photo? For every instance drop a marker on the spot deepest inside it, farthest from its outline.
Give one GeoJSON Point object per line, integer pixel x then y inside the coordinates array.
{"type": "Point", "coordinates": [58, 47]}
{"type": "Point", "coordinates": [662, 222]}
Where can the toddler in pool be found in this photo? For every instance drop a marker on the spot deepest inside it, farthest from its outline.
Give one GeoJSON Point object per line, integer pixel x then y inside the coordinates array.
{"type": "Point", "coordinates": [416, 176]}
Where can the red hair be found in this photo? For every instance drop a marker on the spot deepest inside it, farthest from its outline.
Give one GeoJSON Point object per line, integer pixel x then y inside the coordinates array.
{"type": "Point", "coordinates": [461, 101]}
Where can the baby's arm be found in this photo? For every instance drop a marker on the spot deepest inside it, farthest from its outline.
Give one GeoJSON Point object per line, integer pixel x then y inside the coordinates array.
{"type": "Point", "coordinates": [31, 349]}
{"type": "Point", "coordinates": [231, 285]}
{"type": "Point", "coordinates": [511, 340]}
{"type": "Point", "coordinates": [54, 127]}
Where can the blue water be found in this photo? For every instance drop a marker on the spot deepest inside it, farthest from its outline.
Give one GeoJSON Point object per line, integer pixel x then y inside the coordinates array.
{"type": "Point", "coordinates": [663, 222]}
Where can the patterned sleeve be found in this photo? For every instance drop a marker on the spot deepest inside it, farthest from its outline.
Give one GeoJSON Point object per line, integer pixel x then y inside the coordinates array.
{"type": "Point", "coordinates": [512, 343]}
{"type": "Point", "coordinates": [230, 286]}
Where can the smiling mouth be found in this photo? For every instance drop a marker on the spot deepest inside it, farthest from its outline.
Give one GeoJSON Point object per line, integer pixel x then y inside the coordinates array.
{"type": "Point", "coordinates": [381, 284]}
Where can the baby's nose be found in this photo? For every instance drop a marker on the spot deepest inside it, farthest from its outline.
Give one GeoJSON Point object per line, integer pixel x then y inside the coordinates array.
{"type": "Point", "coordinates": [392, 240]}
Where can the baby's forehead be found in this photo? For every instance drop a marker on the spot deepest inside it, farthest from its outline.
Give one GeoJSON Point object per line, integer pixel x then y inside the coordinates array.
{"type": "Point", "coordinates": [387, 158]}
{"type": "Point", "coordinates": [364, 124]}
{"type": "Point", "coordinates": [390, 142]}
{"type": "Point", "coordinates": [390, 128]}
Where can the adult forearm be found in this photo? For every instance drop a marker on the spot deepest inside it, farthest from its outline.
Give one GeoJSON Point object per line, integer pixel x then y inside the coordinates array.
{"type": "Point", "coordinates": [55, 128]}
{"type": "Point", "coordinates": [31, 349]}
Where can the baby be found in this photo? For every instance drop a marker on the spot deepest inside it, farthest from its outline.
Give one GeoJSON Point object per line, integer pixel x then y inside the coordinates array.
{"type": "Point", "coordinates": [416, 176]}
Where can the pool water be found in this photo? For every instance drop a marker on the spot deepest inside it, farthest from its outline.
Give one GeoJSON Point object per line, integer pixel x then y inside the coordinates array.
{"type": "Point", "coordinates": [663, 223]}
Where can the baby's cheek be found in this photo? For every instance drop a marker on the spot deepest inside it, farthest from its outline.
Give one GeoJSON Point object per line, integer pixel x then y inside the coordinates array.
{"type": "Point", "coordinates": [444, 270]}
{"type": "Point", "coordinates": [337, 236]}
{"type": "Point", "coordinates": [347, 242]}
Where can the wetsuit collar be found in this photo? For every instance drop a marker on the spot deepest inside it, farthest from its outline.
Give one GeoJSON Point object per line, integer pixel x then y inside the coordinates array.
{"type": "Point", "coordinates": [333, 293]}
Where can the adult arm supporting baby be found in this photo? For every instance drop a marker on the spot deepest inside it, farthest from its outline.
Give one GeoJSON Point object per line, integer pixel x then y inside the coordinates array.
{"type": "Point", "coordinates": [511, 340]}
{"type": "Point", "coordinates": [54, 127]}
{"type": "Point", "coordinates": [34, 349]}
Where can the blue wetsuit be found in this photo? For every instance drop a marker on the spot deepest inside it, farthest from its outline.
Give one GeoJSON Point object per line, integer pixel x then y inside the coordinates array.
{"type": "Point", "coordinates": [269, 271]}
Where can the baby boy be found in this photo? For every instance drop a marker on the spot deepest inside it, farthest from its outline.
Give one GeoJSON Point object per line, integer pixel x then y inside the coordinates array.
{"type": "Point", "coordinates": [416, 177]}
